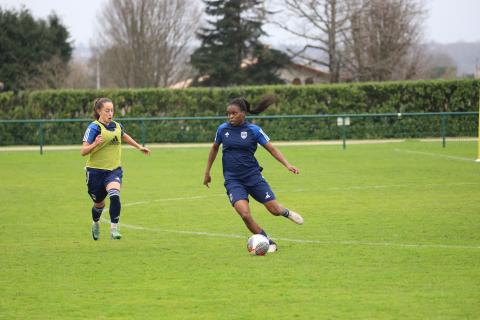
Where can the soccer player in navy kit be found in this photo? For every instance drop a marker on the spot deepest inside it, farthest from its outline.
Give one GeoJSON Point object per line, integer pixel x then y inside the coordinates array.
{"type": "Point", "coordinates": [241, 170]}
{"type": "Point", "coordinates": [102, 143]}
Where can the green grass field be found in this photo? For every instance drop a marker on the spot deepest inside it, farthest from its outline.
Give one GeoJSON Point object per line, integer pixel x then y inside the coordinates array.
{"type": "Point", "coordinates": [391, 232]}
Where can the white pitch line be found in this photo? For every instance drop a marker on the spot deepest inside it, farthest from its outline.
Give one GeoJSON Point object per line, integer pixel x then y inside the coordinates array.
{"type": "Point", "coordinates": [171, 199]}
{"type": "Point", "coordinates": [435, 155]}
{"type": "Point", "coordinates": [198, 233]}
{"type": "Point", "coordinates": [321, 242]}
{"type": "Point", "coordinates": [382, 244]}
{"type": "Point", "coordinates": [135, 203]}
{"type": "Point", "coordinates": [183, 198]}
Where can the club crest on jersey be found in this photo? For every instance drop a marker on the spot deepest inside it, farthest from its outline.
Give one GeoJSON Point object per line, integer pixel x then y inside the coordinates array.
{"type": "Point", "coordinates": [243, 134]}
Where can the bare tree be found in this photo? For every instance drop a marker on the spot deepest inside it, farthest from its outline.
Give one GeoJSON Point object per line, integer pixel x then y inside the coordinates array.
{"type": "Point", "coordinates": [144, 43]}
{"type": "Point", "coordinates": [383, 40]}
{"type": "Point", "coordinates": [322, 25]}
{"type": "Point", "coordinates": [80, 74]}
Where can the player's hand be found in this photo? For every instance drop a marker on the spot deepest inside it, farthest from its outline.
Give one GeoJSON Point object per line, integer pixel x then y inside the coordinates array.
{"type": "Point", "coordinates": [293, 169]}
{"type": "Point", "coordinates": [207, 180]}
{"type": "Point", "coordinates": [145, 150]}
{"type": "Point", "coordinates": [98, 140]}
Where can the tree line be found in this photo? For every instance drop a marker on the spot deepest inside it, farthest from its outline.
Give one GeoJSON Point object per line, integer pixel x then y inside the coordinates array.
{"type": "Point", "coordinates": [151, 43]}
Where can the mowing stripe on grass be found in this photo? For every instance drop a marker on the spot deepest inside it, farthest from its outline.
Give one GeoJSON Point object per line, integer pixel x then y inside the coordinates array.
{"type": "Point", "coordinates": [405, 185]}
{"type": "Point", "coordinates": [387, 186]}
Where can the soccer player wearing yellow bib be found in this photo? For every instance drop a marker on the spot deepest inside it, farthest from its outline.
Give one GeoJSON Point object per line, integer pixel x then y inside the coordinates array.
{"type": "Point", "coordinates": [102, 143]}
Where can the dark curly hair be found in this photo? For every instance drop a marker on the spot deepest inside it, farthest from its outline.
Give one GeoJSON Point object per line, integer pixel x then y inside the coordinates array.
{"type": "Point", "coordinates": [244, 105]}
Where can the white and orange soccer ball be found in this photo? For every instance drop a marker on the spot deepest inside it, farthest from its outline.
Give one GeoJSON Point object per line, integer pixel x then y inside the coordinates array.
{"type": "Point", "coordinates": [257, 245]}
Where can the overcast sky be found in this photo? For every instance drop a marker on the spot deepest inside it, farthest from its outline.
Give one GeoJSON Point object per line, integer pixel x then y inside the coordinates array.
{"type": "Point", "coordinates": [447, 20]}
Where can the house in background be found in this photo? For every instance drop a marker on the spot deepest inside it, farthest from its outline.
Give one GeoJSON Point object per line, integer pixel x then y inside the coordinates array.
{"type": "Point", "coordinates": [295, 73]}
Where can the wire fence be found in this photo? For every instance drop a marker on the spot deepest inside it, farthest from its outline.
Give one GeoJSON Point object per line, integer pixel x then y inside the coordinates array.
{"type": "Point", "coordinates": [342, 127]}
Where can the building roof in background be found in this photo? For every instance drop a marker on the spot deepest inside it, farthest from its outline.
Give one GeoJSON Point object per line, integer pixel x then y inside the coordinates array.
{"type": "Point", "coordinates": [248, 62]}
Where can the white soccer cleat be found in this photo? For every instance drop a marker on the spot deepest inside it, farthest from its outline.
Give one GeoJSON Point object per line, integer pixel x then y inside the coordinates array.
{"type": "Point", "coordinates": [115, 234]}
{"type": "Point", "coordinates": [96, 230]}
{"type": "Point", "coordinates": [295, 217]}
{"type": "Point", "coordinates": [272, 247]}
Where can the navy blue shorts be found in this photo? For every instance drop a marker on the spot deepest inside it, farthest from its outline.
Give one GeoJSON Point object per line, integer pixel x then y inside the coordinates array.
{"type": "Point", "coordinates": [98, 179]}
{"type": "Point", "coordinates": [260, 191]}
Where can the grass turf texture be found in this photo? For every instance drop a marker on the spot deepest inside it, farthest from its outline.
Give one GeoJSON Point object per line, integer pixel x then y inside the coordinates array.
{"type": "Point", "coordinates": [394, 235]}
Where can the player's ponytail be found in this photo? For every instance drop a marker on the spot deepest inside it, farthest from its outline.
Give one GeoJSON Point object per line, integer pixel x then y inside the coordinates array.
{"type": "Point", "coordinates": [97, 106]}
{"type": "Point", "coordinates": [244, 105]}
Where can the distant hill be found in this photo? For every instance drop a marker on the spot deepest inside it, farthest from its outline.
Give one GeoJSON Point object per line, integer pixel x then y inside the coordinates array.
{"type": "Point", "coordinates": [465, 54]}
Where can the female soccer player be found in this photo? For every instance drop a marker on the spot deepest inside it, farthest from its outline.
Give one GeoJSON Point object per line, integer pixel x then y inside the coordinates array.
{"type": "Point", "coordinates": [241, 170]}
{"type": "Point", "coordinates": [103, 144]}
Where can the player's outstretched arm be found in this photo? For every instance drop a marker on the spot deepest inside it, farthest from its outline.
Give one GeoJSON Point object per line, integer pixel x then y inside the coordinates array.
{"type": "Point", "coordinates": [211, 158]}
{"type": "Point", "coordinates": [280, 157]}
{"type": "Point", "coordinates": [126, 138]}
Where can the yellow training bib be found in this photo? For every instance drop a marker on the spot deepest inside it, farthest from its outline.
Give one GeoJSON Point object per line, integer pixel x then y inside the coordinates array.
{"type": "Point", "coordinates": [107, 155]}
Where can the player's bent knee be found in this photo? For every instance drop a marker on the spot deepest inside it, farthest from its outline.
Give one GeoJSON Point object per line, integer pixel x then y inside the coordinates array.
{"type": "Point", "coordinates": [100, 204]}
{"type": "Point", "coordinates": [113, 185]}
{"type": "Point", "coordinates": [274, 207]}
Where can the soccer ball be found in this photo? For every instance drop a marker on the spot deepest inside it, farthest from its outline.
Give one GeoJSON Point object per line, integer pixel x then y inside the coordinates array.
{"type": "Point", "coordinates": [257, 245]}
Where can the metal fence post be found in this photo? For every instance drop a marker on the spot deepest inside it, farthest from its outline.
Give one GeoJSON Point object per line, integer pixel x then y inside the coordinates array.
{"type": "Point", "coordinates": [443, 128]}
{"type": "Point", "coordinates": [344, 133]}
{"type": "Point", "coordinates": [40, 132]}
{"type": "Point", "coordinates": [143, 132]}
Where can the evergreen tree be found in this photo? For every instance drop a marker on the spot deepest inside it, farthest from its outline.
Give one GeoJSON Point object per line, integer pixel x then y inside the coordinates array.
{"type": "Point", "coordinates": [232, 38]}
{"type": "Point", "coordinates": [28, 47]}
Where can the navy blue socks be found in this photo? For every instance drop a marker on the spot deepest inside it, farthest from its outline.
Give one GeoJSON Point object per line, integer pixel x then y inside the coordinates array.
{"type": "Point", "coordinates": [263, 233]}
{"type": "Point", "coordinates": [114, 205]}
{"type": "Point", "coordinates": [96, 213]}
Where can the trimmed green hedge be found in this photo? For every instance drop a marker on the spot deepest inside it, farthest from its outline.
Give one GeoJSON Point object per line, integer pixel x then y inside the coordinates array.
{"type": "Point", "coordinates": [385, 97]}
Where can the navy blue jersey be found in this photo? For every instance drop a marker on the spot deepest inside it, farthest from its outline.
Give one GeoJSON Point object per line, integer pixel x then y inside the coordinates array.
{"type": "Point", "coordinates": [93, 130]}
{"type": "Point", "coordinates": [239, 146]}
